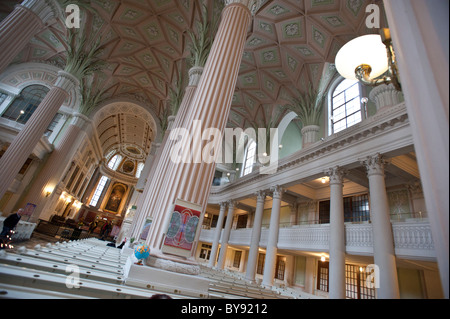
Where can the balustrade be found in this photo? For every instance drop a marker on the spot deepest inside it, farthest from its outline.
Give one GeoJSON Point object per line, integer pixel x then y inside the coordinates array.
{"type": "Point", "coordinates": [411, 239]}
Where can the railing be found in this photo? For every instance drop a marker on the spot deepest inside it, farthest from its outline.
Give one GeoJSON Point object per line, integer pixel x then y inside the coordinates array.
{"type": "Point", "coordinates": [411, 239]}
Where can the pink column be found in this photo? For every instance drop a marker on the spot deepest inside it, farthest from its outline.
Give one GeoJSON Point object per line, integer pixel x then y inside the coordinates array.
{"type": "Point", "coordinates": [211, 106]}
{"type": "Point", "coordinates": [52, 172]}
{"type": "Point", "coordinates": [19, 27]}
{"type": "Point", "coordinates": [24, 143]}
{"type": "Point", "coordinates": [159, 169]}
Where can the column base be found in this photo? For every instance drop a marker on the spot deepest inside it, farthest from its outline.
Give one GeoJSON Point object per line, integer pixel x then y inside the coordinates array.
{"type": "Point", "coordinates": [166, 276]}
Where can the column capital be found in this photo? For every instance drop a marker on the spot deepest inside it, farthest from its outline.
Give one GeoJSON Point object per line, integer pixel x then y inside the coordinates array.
{"type": "Point", "coordinates": [223, 205]}
{"type": "Point", "coordinates": [336, 175]}
{"type": "Point", "coordinates": [231, 203]}
{"type": "Point", "coordinates": [46, 10]}
{"type": "Point", "coordinates": [375, 164]}
{"type": "Point", "coordinates": [79, 120]}
{"type": "Point", "coordinates": [277, 191]}
{"type": "Point", "coordinates": [260, 196]}
{"type": "Point", "coordinates": [385, 95]}
{"type": "Point", "coordinates": [252, 5]}
{"type": "Point", "coordinates": [66, 81]}
{"type": "Point", "coordinates": [195, 73]}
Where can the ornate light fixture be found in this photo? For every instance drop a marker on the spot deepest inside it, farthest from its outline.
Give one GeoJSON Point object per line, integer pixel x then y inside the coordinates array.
{"type": "Point", "coordinates": [364, 59]}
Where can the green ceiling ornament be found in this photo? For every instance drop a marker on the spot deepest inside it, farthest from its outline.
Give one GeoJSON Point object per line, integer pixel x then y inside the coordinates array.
{"type": "Point", "coordinates": [203, 39]}
{"type": "Point", "coordinates": [90, 96]}
{"type": "Point", "coordinates": [308, 107]}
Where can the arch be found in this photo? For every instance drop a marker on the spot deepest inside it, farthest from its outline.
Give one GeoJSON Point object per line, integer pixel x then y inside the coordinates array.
{"type": "Point", "coordinates": [126, 127]}
{"type": "Point", "coordinates": [16, 77]}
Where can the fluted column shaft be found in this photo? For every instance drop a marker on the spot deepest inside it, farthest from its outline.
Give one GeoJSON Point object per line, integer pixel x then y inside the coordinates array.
{"type": "Point", "coordinates": [52, 172]}
{"type": "Point", "coordinates": [337, 235]}
{"type": "Point", "coordinates": [383, 239]}
{"type": "Point", "coordinates": [226, 236]}
{"type": "Point", "coordinates": [256, 236]}
{"type": "Point", "coordinates": [19, 27]}
{"type": "Point", "coordinates": [24, 143]}
{"type": "Point", "coordinates": [158, 187]}
{"type": "Point", "coordinates": [272, 241]}
{"type": "Point", "coordinates": [212, 101]}
{"type": "Point", "coordinates": [215, 243]}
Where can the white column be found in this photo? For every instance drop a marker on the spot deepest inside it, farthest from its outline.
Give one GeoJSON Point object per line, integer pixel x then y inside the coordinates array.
{"type": "Point", "coordinates": [272, 241]}
{"type": "Point", "coordinates": [420, 31]}
{"type": "Point", "coordinates": [226, 235]}
{"type": "Point", "coordinates": [383, 240]}
{"type": "Point", "coordinates": [337, 235]}
{"type": "Point", "coordinates": [219, 226]}
{"type": "Point", "coordinates": [256, 236]}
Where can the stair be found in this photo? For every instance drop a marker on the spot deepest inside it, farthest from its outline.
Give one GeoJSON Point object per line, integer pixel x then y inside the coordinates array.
{"type": "Point", "coordinates": [226, 285]}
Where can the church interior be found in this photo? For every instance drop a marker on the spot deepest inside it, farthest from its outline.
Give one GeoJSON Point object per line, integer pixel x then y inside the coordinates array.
{"type": "Point", "coordinates": [322, 184]}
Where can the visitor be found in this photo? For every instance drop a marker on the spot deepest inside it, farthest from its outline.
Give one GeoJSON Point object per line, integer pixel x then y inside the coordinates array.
{"type": "Point", "coordinates": [106, 228]}
{"type": "Point", "coordinates": [9, 224]}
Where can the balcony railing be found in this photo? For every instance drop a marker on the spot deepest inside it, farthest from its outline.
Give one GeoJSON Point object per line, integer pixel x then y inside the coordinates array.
{"type": "Point", "coordinates": [411, 239]}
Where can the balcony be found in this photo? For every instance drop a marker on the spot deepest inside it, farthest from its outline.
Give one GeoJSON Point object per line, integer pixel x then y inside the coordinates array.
{"type": "Point", "coordinates": [411, 238]}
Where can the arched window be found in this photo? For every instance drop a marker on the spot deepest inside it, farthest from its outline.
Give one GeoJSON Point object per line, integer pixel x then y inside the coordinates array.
{"type": "Point", "coordinates": [249, 158]}
{"type": "Point", "coordinates": [139, 169]}
{"type": "Point", "coordinates": [26, 103]}
{"type": "Point", "coordinates": [98, 191]}
{"type": "Point", "coordinates": [114, 162]}
{"type": "Point", "coordinates": [345, 108]}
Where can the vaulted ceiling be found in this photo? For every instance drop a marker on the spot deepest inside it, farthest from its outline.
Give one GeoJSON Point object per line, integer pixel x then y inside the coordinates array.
{"type": "Point", "coordinates": [145, 42]}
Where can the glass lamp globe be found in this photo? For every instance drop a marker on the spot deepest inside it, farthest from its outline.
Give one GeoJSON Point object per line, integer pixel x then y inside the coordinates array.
{"type": "Point", "coordinates": [364, 50]}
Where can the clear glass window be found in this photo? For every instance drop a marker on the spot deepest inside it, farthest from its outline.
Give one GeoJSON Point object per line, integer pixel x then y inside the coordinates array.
{"type": "Point", "coordinates": [26, 103]}
{"type": "Point", "coordinates": [114, 162]}
{"type": "Point", "coordinates": [346, 105]}
{"type": "Point", "coordinates": [249, 158]}
{"type": "Point", "coordinates": [98, 191]}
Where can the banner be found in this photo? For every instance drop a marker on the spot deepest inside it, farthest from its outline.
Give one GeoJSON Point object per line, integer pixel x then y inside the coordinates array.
{"type": "Point", "coordinates": [182, 228]}
{"type": "Point", "coordinates": [29, 209]}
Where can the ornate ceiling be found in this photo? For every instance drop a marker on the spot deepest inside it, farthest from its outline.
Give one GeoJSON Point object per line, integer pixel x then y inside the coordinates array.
{"type": "Point", "coordinates": [145, 42]}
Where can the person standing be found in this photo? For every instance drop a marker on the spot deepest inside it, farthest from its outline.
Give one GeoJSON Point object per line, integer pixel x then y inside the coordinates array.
{"type": "Point", "coordinates": [9, 224]}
